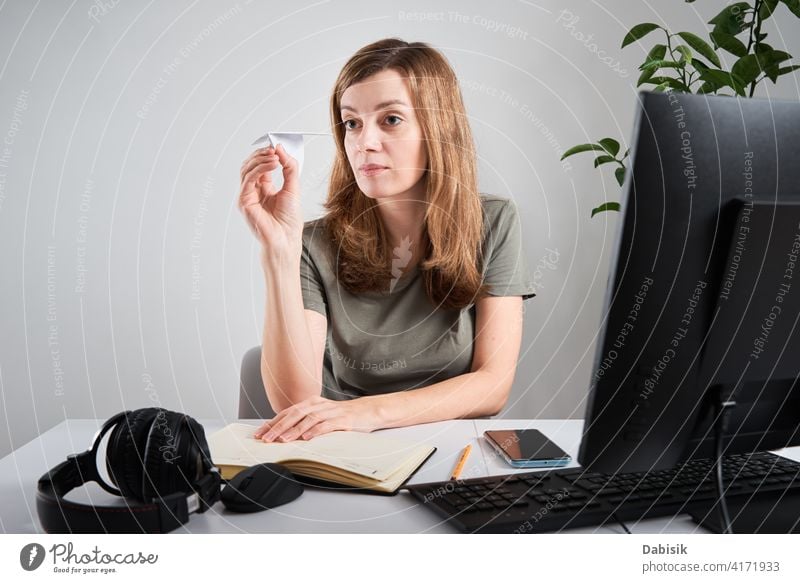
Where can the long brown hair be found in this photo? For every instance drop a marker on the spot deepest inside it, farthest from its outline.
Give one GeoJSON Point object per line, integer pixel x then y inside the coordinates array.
{"type": "Point", "coordinates": [451, 267]}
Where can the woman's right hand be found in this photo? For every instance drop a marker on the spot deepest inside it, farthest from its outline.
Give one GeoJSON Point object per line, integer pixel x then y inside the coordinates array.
{"type": "Point", "coordinates": [274, 215]}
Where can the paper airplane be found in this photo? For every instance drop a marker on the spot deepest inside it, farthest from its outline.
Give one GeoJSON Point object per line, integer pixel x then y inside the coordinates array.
{"type": "Point", "coordinates": [292, 142]}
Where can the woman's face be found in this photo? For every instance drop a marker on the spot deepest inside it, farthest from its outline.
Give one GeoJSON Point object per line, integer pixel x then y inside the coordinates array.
{"type": "Point", "coordinates": [381, 129]}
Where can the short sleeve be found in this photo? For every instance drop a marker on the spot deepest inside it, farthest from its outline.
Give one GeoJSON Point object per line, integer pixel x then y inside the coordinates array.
{"type": "Point", "coordinates": [506, 269]}
{"type": "Point", "coordinates": [311, 284]}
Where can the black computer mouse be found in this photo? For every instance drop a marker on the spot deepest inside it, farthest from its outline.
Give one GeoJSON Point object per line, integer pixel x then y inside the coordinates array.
{"type": "Point", "coordinates": [260, 487]}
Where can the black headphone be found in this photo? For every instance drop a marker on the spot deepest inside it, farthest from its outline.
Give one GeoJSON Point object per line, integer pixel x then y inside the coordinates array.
{"type": "Point", "coordinates": [158, 457]}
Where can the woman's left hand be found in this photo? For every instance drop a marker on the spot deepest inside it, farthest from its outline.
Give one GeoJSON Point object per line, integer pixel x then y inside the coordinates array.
{"type": "Point", "coordinates": [318, 415]}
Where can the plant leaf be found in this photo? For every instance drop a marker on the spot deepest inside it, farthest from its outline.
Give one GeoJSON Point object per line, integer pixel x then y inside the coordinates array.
{"type": "Point", "coordinates": [638, 32]}
{"type": "Point", "coordinates": [610, 145]}
{"type": "Point", "coordinates": [605, 159]}
{"type": "Point", "coordinates": [769, 60]}
{"type": "Point", "coordinates": [583, 148]}
{"type": "Point", "coordinates": [731, 19]}
{"type": "Point", "coordinates": [767, 8]}
{"type": "Point", "coordinates": [747, 68]}
{"type": "Point", "coordinates": [658, 52]}
{"type": "Point", "coordinates": [619, 174]}
{"type": "Point", "coordinates": [645, 76]}
{"type": "Point", "coordinates": [793, 5]}
{"type": "Point", "coordinates": [772, 57]}
{"type": "Point", "coordinates": [707, 87]}
{"type": "Point", "coordinates": [773, 71]}
{"type": "Point", "coordinates": [700, 46]}
{"type": "Point", "coordinates": [730, 43]}
{"type": "Point", "coordinates": [686, 54]}
{"type": "Point", "coordinates": [721, 78]}
{"type": "Point", "coordinates": [669, 82]}
{"type": "Point", "coordinates": [762, 48]}
{"type": "Point", "coordinates": [654, 65]}
{"type": "Point", "coordinates": [606, 206]}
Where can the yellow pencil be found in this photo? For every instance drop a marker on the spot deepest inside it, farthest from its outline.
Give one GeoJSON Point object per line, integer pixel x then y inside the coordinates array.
{"type": "Point", "coordinates": [461, 461]}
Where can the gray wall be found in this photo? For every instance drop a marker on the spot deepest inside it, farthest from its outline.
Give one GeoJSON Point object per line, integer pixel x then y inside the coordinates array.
{"type": "Point", "coordinates": [129, 278]}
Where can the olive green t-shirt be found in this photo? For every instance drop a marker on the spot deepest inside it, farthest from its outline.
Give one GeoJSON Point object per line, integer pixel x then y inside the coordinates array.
{"type": "Point", "coordinates": [394, 340]}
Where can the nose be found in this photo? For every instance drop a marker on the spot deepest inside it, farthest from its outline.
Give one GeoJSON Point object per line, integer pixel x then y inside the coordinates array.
{"type": "Point", "coordinates": [369, 138]}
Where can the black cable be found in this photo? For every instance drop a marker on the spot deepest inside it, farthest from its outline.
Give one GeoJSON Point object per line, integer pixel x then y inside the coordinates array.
{"type": "Point", "coordinates": [720, 426]}
{"type": "Point", "coordinates": [622, 524]}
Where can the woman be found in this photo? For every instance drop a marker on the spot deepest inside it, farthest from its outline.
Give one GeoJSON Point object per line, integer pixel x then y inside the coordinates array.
{"type": "Point", "coordinates": [411, 280]}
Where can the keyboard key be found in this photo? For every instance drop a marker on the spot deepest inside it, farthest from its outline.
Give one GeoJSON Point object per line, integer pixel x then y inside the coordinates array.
{"type": "Point", "coordinates": [609, 491]}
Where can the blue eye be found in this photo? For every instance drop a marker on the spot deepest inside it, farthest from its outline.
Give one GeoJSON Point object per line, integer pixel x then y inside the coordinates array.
{"type": "Point", "coordinates": [396, 117]}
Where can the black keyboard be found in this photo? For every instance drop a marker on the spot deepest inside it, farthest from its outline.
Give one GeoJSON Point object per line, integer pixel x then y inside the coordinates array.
{"type": "Point", "coordinates": [547, 501]}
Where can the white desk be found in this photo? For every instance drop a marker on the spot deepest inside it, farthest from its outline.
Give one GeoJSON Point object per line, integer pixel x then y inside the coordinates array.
{"type": "Point", "coordinates": [316, 510]}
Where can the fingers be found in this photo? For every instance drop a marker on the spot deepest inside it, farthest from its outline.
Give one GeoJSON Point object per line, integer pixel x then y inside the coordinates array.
{"type": "Point", "coordinates": [249, 179]}
{"type": "Point", "coordinates": [258, 161]}
{"type": "Point", "coordinates": [280, 431]}
{"type": "Point", "coordinates": [320, 429]}
{"type": "Point", "coordinates": [260, 152]}
{"type": "Point", "coordinates": [289, 418]}
{"type": "Point", "coordinates": [291, 173]}
{"type": "Point", "coordinates": [269, 150]}
{"type": "Point", "coordinates": [285, 420]}
{"type": "Point", "coordinates": [263, 428]}
{"type": "Point", "coordinates": [301, 428]}
{"type": "Point", "coordinates": [258, 158]}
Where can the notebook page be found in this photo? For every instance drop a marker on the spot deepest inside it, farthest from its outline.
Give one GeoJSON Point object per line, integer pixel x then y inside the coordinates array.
{"type": "Point", "coordinates": [366, 454]}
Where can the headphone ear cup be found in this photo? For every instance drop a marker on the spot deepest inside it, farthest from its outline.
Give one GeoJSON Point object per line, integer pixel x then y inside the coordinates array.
{"type": "Point", "coordinates": [199, 445]}
{"type": "Point", "coordinates": [126, 450]}
{"type": "Point", "coordinates": [167, 432]}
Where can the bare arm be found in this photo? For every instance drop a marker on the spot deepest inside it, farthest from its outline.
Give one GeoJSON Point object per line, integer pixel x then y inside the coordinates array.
{"type": "Point", "coordinates": [291, 354]}
{"type": "Point", "coordinates": [294, 338]}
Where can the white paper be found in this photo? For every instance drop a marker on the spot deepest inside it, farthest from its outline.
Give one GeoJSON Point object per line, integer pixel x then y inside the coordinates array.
{"type": "Point", "coordinates": [292, 142]}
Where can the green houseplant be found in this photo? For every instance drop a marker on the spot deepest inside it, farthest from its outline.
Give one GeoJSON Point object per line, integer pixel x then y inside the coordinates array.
{"type": "Point", "coordinates": [687, 63]}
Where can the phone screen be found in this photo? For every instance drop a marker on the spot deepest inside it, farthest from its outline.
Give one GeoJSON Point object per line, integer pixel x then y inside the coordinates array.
{"type": "Point", "coordinates": [526, 444]}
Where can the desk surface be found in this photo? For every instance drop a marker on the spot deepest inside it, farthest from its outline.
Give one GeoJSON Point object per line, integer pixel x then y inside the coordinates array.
{"type": "Point", "coordinates": [316, 510]}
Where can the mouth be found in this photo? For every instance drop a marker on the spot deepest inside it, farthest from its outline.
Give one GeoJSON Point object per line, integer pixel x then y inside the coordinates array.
{"type": "Point", "coordinates": [372, 169]}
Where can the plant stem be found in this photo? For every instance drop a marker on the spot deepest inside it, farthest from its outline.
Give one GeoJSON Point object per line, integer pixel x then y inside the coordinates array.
{"type": "Point", "coordinates": [672, 56]}
{"type": "Point", "coordinates": [756, 7]}
{"type": "Point", "coordinates": [757, 22]}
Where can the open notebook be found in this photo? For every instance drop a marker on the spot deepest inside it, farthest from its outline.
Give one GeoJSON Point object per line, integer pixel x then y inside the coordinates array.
{"type": "Point", "coordinates": [347, 458]}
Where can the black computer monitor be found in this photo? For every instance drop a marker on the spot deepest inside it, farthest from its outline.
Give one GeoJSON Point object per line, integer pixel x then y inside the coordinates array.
{"type": "Point", "coordinates": [703, 299]}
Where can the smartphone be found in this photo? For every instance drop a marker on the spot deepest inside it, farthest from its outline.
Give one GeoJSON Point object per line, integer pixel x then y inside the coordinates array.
{"type": "Point", "coordinates": [527, 448]}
